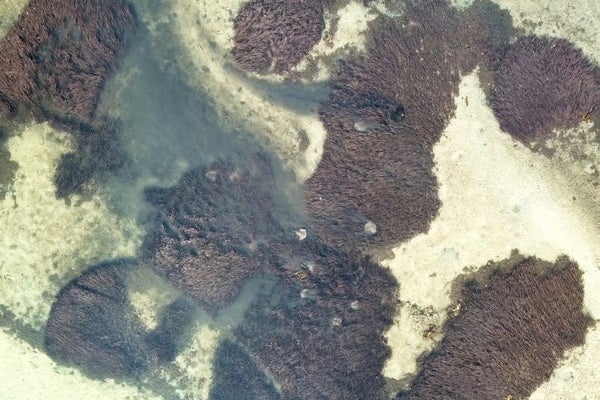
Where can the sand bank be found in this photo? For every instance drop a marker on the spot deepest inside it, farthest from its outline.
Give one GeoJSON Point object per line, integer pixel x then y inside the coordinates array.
{"type": "Point", "coordinates": [45, 242]}
{"type": "Point", "coordinates": [10, 10]}
{"type": "Point", "coordinates": [496, 196]}
{"type": "Point", "coordinates": [27, 373]}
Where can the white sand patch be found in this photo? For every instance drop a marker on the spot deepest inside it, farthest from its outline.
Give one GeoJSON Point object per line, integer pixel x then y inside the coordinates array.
{"type": "Point", "coordinates": [218, 17]}
{"type": "Point", "coordinates": [147, 306]}
{"type": "Point", "coordinates": [578, 376]}
{"type": "Point", "coordinates": [29, 374]}
{"type": "Point", "coordinates": [195, 365]}
{"type": "Point", "coordinates": [496, 196]}
{"type": "Point", "coordinates": [345, 36]}
{"type": "Point", "coordinates": [352, 24]}
{"type": "Point", "coordinates": [461, 4]}
{"type": "Point", "coordinates": [148, 294]}
{"type": "Point", "coordinates": [576, 21]}
{"type": "Point", "coordinates": [10, 10]}
{"type": "Point", "coordinates": [42, 238]}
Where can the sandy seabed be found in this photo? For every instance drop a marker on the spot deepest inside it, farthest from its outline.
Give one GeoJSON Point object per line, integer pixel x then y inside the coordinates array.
{"type": "Point", "coordinates": [497, 195]}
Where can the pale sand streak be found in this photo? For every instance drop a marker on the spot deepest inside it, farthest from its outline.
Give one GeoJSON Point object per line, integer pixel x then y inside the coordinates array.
{"type": "Point", "coordinates": [577, 378]}
{"type": "Point", "coordinates": [42, 238]}
{"type": "Point", "coordinates": [496, 196]}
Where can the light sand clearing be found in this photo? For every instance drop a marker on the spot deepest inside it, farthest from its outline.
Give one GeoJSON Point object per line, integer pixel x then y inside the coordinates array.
{"type": "Point", "coordinates": [496, 196]}
{"type": "Point", "coordinates": [29, 374]}
{"type": "Point", "coordinates": [339, 39]}
{"type": "Point", "coordinates": [195, 364]}
{"type": "Point", "coordinates": [10, 10]}
{"type": "Point", "coordinates": [42, 238]}
{"type": "Point", "coordinates": [576, 21]}
{"type": "Point", "coordinates": [204, 31]}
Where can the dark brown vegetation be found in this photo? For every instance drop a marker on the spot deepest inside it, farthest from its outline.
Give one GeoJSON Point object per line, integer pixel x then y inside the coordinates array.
{"type": "Point", "coordinates": [169, 337]}
{"type": "Point", "coordinates": [318, 331]}
{"type": "Point", "coordinates": [274, 35]}
{"type": "Point", "coordinates": [509, 335]}
{"type": "Point", "coordinates": [212, 229]}
{"type": "Point", "coordinates": [490, 30]}
{"type": "Point", "coordinates": [98, 155]}
{"type": "Point", "coordinates": [384, 114]}
{"type": "Point", "coordinates": [93, 326]}
{"type": "Point", "coordinates": [544, 84]}
{"type": "Point", "coordinates": [58, 55]}
{"type": "Point", "coordinates": [237, 377]}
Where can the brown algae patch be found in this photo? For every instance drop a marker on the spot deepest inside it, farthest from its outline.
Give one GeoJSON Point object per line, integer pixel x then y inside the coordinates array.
{"type": "Point", "coordinates": [10, 11]}
{"type": "Point", "coordinates": [44, 241]}
{"type": "Point", "coordinates": [497, 195]}
{"type": "Point", "coordinates": [506, 333]}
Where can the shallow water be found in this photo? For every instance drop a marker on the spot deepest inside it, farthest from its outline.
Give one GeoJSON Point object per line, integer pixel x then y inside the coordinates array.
{"type": "Point", "coordinates": [182, 106]}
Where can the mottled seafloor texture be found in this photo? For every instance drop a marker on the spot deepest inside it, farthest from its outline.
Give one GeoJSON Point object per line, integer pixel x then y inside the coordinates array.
{"type": "Point", "coordinates": [299, 200]}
